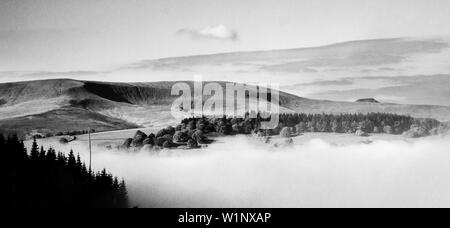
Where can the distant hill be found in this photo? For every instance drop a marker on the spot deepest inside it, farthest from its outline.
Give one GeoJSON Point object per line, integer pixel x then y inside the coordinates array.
{"type": "Point", "coordinates": [395, 70]}
{"type": "Point", "coordinates": [369, 100]}
{"type": "Point", "coordinates": [50, 106]}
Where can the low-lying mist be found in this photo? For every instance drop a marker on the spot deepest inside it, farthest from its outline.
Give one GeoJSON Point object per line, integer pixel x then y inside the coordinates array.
{"type": "Point", "coordinates": [240, 172]}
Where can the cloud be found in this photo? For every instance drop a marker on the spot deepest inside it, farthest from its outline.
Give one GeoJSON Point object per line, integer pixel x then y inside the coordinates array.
{"type": "Point", "coordinates": [14, 76]}
{"type": "Point", "coordinates": [219, 32]}
{"type": "Point", "coordinates": [241, 172]}
{"type": "Point", "coordinates": [341, 82]}
{"type": "Point", "coordinates": [65, 73]}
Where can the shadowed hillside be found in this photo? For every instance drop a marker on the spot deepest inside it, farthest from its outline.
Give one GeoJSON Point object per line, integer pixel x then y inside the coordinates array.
{"type": "Point", "coordinates": [66, 105]}
{"type": "Point", "coordinates": [63, 120]}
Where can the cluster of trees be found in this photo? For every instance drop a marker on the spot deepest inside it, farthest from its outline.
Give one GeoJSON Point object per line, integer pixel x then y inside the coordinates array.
{"type": "Point", "coordinates": [352, 123]}
{"type": "Point", "coordinates": [68, 139]}
{"type": "Point", "coordinates": [297, 123]}
{"type": "Point", "coordinates": [47, 179]}
{"type": "Point", "coordinates": [68, 133]}
{"type": "Point", "coordinates": [73, 133]}
{"type": "Point", "coordinates": [192, 131]}
{"type": "Point", "coordinates": [190, 135]}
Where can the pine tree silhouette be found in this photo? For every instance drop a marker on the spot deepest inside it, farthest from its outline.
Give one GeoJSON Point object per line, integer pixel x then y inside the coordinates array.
{"type": "Point", "coordinates": [47, 179]}
{"type": "Point", "coordinates": [34, 153]}
{"type": "Point", "coordinates": [71, 162]}
{"type": "Point", "coordinates": [42, 154]}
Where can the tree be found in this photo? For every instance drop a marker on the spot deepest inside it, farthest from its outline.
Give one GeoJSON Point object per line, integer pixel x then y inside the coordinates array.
{"type": "Point", "coordinates": [180, 127]}
{"type": "Point", "coordinates": [366, 126]}
{"type": "Point", "coordinates": [397, 129]}
{"type": "Point", "coordinates": [63, 140]}
{"type": "Point", "coordinates": [149, 141]}
{"type": "Point", "coordinates": [55, 182]}
{"type": "Point", "coordinates": [166, 131]}
{"type": "Point", "coordinates": [354, 126]}
{"type": "Point", "coordinates": [79, 164]}
{"type": "Point", "coordinates": [237, 128]}
{"type": "Point", "coordinates": [301, 127]}
{"type": "Point", "coordinates": [71, 162]}
{"type": "Point", "coordinates": [170, 130]}
{"type": "Point", "coordinates": [123, 195]}
{"type": "Point", "coordinates": [51, 155]}
{"type": "Point", "coordinates": [336, 127]}
{"type": "Point", "coordinates": [160, 141]}
{"type": "Point", "coordinates": [201, 125]}
{"type": "Point", "coordinates": [346, 127]}
{"type": "Point", "coordinates": [324, 126]}
{"type": "Point", "coordinates": [167, 144]}
{"type": "Point", "coordinates": [192, 144]}
{"type": "Point", "coordinates": [376, 130]}
{"type": "Point", "coordinates": [34, 153]}
{"type": "Point", "coordinates": [440, 130]}
{"type": "Point", "coordinates": [127, 143]}
{"type": "Point", "coordinates": [417, 131]}
{"type": "Point", "coordinates": [191, 125]}
{"type": "Point", "coordinates": [138, 139]}
{"type": "Point", "coordinates": [198, 136]}
{"type": "Point", "coordinates": [180, 137]}
{"type": "Point", "coordinates": [312, 126]}
{"type": "Point", "coordinates": [161, 133]}
{"type": "Point", "coordinates": [387, 129]}
{"type": "Point", "coordinates": [224, 128]}
{"type": "Point", "coordinates": [2, 140]}
{"type": "Point", "coordinates": [166, 138]}
{"type": "Point", "coordinates": [286, 132]}
{"type": "Point", "coordinates": [42, 154]}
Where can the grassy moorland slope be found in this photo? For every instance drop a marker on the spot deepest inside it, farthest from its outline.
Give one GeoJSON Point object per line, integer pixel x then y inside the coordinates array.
{"type": "Point", "coordinates": [67, 105]}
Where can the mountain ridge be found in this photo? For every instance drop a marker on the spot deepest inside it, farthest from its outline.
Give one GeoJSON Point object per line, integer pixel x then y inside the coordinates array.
{"type": "Point", "coordinates": [68, 104]}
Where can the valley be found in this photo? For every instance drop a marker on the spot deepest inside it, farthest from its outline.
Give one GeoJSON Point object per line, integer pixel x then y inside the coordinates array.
{"type": "Point", "coordinates": [63, 105]}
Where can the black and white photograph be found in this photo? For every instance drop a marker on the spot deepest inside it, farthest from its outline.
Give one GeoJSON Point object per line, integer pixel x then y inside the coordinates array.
{"type": "Point", "coordinates": [225, 104]}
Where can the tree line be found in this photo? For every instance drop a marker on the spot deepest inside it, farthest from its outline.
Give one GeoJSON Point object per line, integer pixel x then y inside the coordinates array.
{"type": "Point", "coordinates": [328, 123]}
{"type": "Point", "coordinates": [47, 179]}
{"type": "Point", "coordinates": [193, 131]}
{"type": "Point", "coordinates": [68, 133]}
{"type": "Point", "coordinates": [352, 123]}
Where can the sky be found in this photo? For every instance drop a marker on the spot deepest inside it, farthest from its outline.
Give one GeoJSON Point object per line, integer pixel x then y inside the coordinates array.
{"type": "Point", "coordinates": [83, 35]}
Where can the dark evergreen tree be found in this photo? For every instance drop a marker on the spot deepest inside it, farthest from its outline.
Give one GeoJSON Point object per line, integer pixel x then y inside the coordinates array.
{"type": "Point", "coordinates": [42, 154]}
{"type": "Point", "coordinates": [71, 162]}
{"type": "Point", "coordinates": [34, 153]}
{"type": "Point", "coordinates": [50, 180]}
{"type": "Point", "coordinates": [79, 164]}
{"type": "Point", "coordinates": [2, 140]}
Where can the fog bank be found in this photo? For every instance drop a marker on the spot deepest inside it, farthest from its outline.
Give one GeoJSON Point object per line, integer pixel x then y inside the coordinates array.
{"type": "Point", "coordinates": [240, 172]}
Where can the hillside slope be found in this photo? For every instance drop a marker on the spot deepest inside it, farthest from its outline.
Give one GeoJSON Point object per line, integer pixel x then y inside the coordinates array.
{"type": "Point", "coordinates": [66, 105]}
